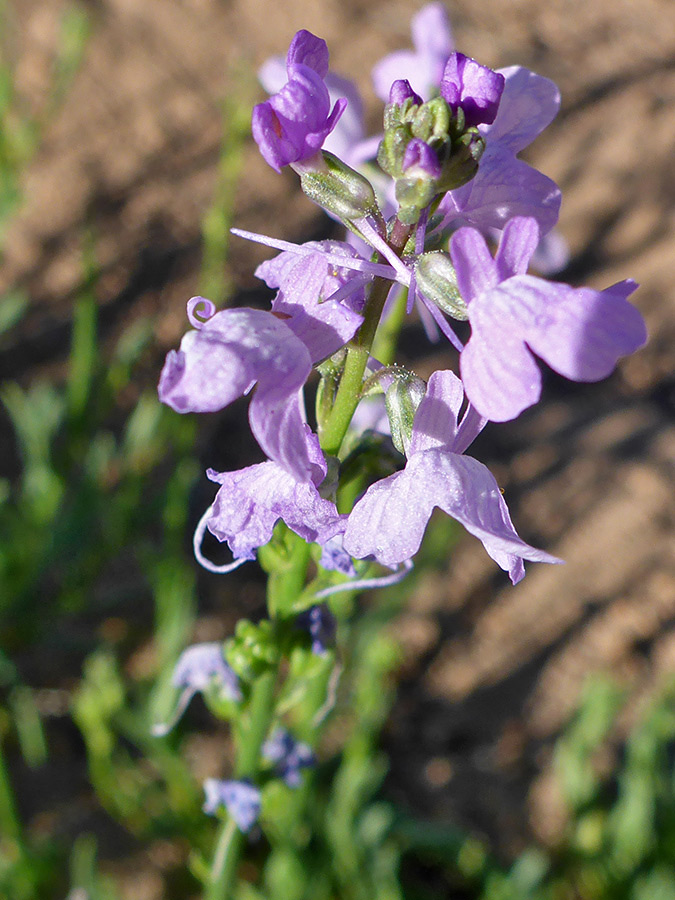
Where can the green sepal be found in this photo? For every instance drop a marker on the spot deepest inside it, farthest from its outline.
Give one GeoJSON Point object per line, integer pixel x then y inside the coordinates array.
{"type": "Point", "coordinates": [401, 400]}
{"type": "Point", "coordinates": [340, 190]}
{"type": "Point", "coordinates": [437, 280]}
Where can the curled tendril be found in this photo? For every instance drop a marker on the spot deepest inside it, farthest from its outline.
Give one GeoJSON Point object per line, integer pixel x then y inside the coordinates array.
{"type": "Point", "coordinates": [199, 311]}
{"type": "Point", "coordinates": [197, 539]}
{"type": "Point", "coordinates": [361, 584]}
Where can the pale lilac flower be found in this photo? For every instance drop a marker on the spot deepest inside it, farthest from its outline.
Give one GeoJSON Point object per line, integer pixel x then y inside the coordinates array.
{"type": "Point", "coordinates": [201, 667]}
{"type": "Point", "coordinates": [579, 332]}
{"type": "Point", "coordinates": [289, 756]}
{"type": "Point", "coordinates": [389, 521]}
{"type": "Point", "coordinates": [320, 302]}
{"type": "Point", "coordinates": [240, 798]}
{"type": "Point", "coordinates": [319, 621]}
{"type": "Point", "coordinates": [423, 66]}
{"type": "Point", "coordinates": [293, 124]}
{"type": "Point", "coordinates": [231, 352]}
{"type": "Point", "coordinates": [251, 501]}
{"type": "Point", "coordinates": [473, 88]}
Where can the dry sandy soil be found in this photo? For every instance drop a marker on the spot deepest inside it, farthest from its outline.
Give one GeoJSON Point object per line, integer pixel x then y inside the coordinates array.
{"type": "Point", "coordinates": [492, 671]}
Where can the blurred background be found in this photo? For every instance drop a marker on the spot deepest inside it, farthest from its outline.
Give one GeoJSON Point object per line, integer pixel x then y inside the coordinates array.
{"type": "Point", "coordinates": [523, 746]}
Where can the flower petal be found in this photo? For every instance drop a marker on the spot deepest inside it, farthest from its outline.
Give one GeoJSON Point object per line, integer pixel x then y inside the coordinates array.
{"type": "Point", "coordinates": [388, 522]}
{"type": "Point", "coordinates": [310, 50]}
{"type": "Point", "coordinates": [251, 501]}
{"type": "Point", "coordinates": [518, 243]}
{"type": "Point", "coordinates": [529, 103]}
{"type": "Point", "coordinates": [423, 67]}
{"type": "Point", "coordinates": [466, 490]}
{"type": "Point", "coordinates": [220, 362]}
{"type": "Point", "coordinates": [504, 187]}
{"type": "Point", "coordinates": [431, 32]}
{"type": "Point", "coordinates": [305, 282]}
{"type": "Point", "coordinates": [349, 131]}
{"type": "Point", "coordinates": [435, 423]}
{"type": "Point", "coordinates": [592, 329]}
{"type": "Point", "coordinates": [500, 376]}
{"type": "Point", "coordinates": [475, 268]}
{"type": "Point", "coordinates": [292, 125]}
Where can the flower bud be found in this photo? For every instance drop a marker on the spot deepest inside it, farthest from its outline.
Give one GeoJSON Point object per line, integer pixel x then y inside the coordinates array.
{"type": "Point", "coordinates": [432, 121]}
{"type": "Point", "coordinates": [339, 189]}
{"type": "Point", "coordinates": [436, 279]}
{"type": "Point", "coordinates": [417, 187]}
{"type": "Point", "coordinates": [252, 650]}
{"type": "Point", "coordinates": [401, 91]}
{"type": "Point", "coordinates": [473, 88]}
{"type": "Point", "coordinates": [462, 164]}
{"type": "Point", "coordinates": [426, 148]}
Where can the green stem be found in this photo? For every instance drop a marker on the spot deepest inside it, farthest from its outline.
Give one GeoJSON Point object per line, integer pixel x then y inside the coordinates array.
{"type": "Point", "coordinates": [386, 340]}
{"type": "Point", "coordinates": [283, 585]}
{"type": "Point", "coordinates": [333, 430]}
{"type": "Point", "coordinates": [230, 840]}
{"type": "Point", "coordinates": [11, 824]}
{"type": "Point", "coordinates": [225, 861]}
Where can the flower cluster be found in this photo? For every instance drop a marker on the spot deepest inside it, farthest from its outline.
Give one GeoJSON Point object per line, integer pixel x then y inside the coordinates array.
{"type": "Point", "coordinates": [323, 292]}
{"type": "Point", "coordinates": [444, 221]}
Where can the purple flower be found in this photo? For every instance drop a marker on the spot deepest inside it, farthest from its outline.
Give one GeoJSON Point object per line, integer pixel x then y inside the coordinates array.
{"type": "Point", "coordinates": [240, 798]}
{"type": "Point", "coordinates": [201, 667]}
{"type": "Point", "coordinates": [230, 353]}
{"type": "Point", "coordinates": [251, 501]}
{"type": "Point", "coordinates": [293, 124]}
{"type": "Point", "coordinates": [307, 285]}
{"type": "Point", "coordinates": [473, 88]}
{"type": "Point", "coordinates": [347, 139]}
{"type": "Point", "coordinates": [289, 756]}
{"type": "Point", "coordinates": [319, 621]}
{"type": "Point", "coordinates": [579, 332]}
{"type": "Point", "coordinates": [423, 66]}
{"type": "Point", "coordinates": [389, 521]}
{"type": "Point", "coordinates": [505, 186]}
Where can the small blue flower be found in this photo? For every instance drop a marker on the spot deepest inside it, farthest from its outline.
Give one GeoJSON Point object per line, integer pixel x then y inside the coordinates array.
{"type": "Point", "coordinates": [199, 668]}
{"type": "Point", "coordinates": [240, 798]}
{"type": "Point", "coordinates": [288, 755]}
{"type": "Point", "coordinates": [320, 623]}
